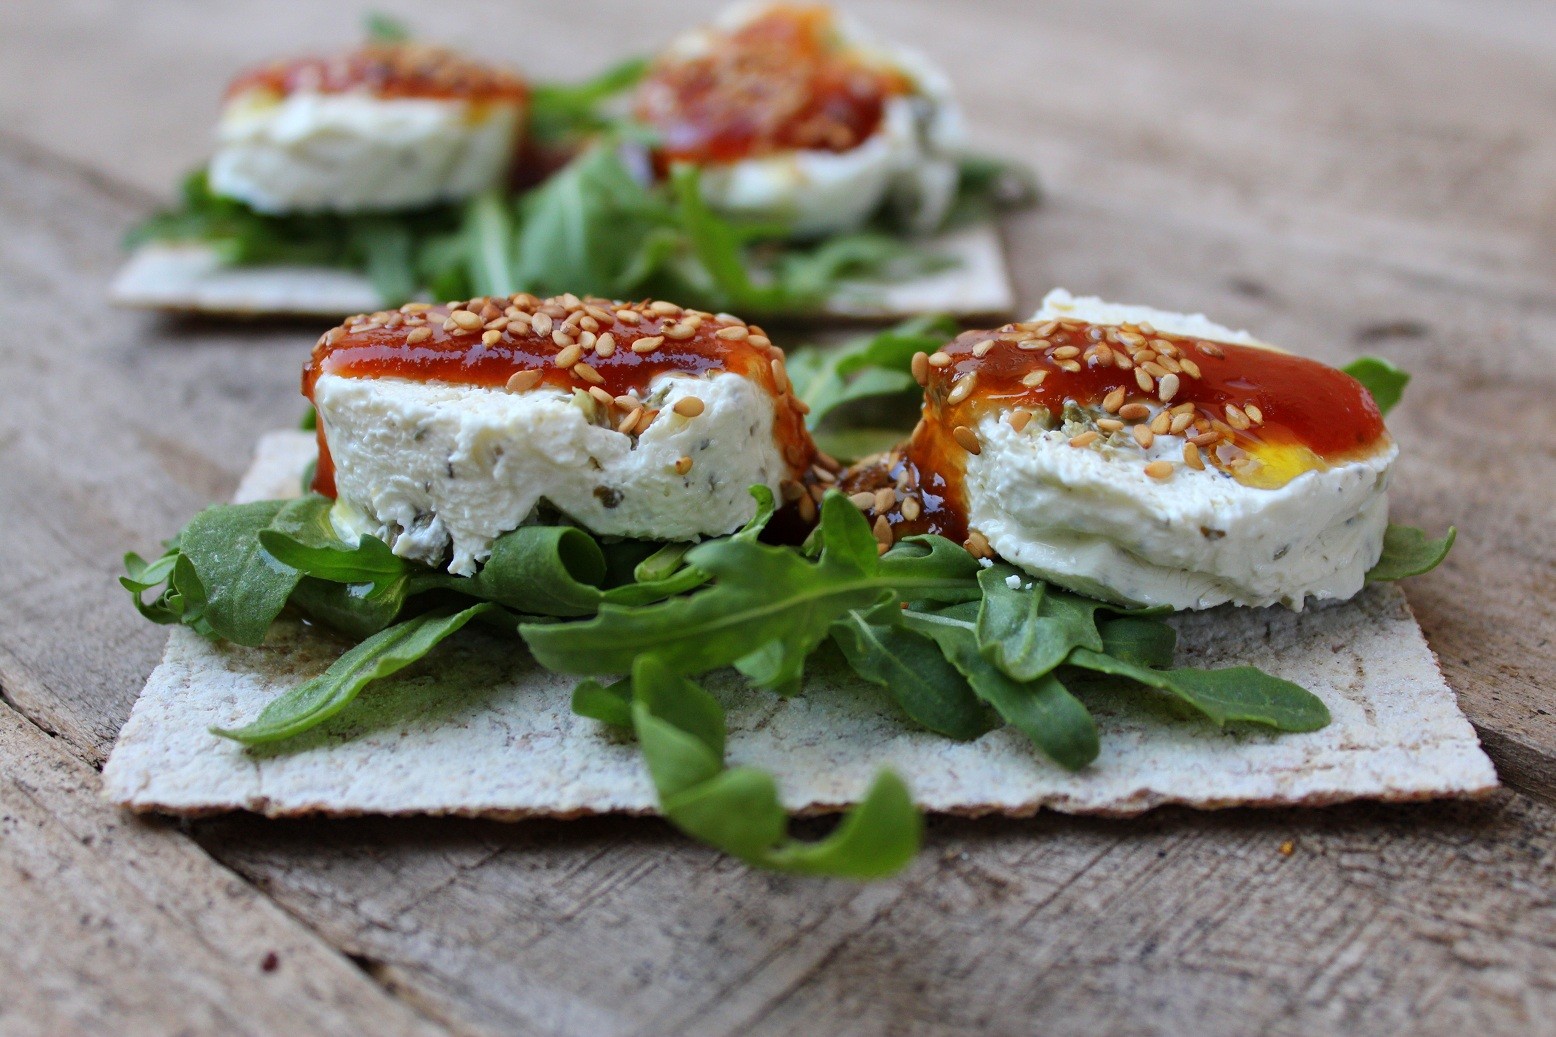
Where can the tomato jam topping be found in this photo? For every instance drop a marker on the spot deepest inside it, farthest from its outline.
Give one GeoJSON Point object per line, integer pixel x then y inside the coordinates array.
{"type": "Point", "coordinates": [609, 350]}
{"type": "Point", "coordinates": [1258, 415]}
{"type": "Point", "coordinates": [783, 81]}
{"type": "Point", "coordinates": [388, 71]}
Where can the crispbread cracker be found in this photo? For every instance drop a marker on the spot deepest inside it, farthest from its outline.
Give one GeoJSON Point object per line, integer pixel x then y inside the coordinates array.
{"type": "Point", "coordinates": [481, 730]}
{"type": "Point", "coordinates": [192, 278]}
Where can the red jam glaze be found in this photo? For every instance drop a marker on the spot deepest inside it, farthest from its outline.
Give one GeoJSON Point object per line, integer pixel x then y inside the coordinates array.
{"type": "Point", "coordinates": [781, 82]}
{"type": "Point", "coordinates": [1297, 401]}
{"type": "Point", "coordinates": [501, 343]}
{"type": "Point", "coordinates": [388, 71]}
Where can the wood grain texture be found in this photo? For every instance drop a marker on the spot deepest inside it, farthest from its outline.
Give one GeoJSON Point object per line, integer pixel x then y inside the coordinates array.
{"type": "Point", "coordinates": [112, 924]}
{"type": "Point", "coordinates": [1338, 176]}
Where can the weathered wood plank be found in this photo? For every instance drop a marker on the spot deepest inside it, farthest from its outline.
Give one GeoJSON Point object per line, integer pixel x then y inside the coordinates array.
{"type": "Point", "coordinates": [117, 925]}
{"type": "Point", "coordinates": [1424, 920]}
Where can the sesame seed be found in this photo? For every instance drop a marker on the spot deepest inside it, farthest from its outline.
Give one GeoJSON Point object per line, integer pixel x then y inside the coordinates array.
{"type": "Point", "coordinates": [599, 313]}
{"type": "Point", "coordinates": [1113, 400]}
{"type": "Point", "coordinates": [629, 316]}
{"type": "Point", "coordinates": [688, 406]}
{"type": "Point", "coordinates": [680, 332]}
{"type": "Point", "coordinates": [491, 338]}
{"type": "Point", "coordinates": [1104, 355]}
{"type": "Point", "coordinates": [733, 334]}
{"type": "Point", "coordinates": [1255, 415]}
{"type": "Point", "coordinates": [1211, 349]}
{"type": "Point", "coordinates": [1180, 422]}
{"type": "Point", "coordinates": [561, 337]}
{"type": "Point", "coordinates": [1143, 380]}
{"type": "Point", "coordinates": [1047, 329]}
{"type": "Point", "coordinates": [415, 307]}
{"type": "Point", "coordinates": [683, 465]}
{"type": "Point", "coordinates": [587, 340]}
{"type": "Point", "coordinates": [790, 490]}
{"type": "Point", "coordinates": [780, 375]}
{"type": "Point", "coordinates": [1032, 379]}
{"type": "Point", "coordinates": [1168, 388]}
{"type": "Point", "coordinates": [940, 358]}
{"type": "Point", "coordinates": [1110, 424]}
{"type": "Point", "coordinates": [1144, 436]}
{"type": "Point", "coordinates": [1205, 439]}
{"type": "Point", "coordinates": [882, 530]}
{"type": "Point", "coordinates": [522, 381]}
{"type": "Point", "coordinates": [921, 367]}
{"type": "Point", "coordinates": [1086, 438]}
{"type": "Point", "coordinates": [966, 438]}
{"type": "Point", "coordinates": [863, 500]}
{"type": "Point", "coordinates": [667, 309]}
{"type": "Point", "coordinates": [1065, 352]}
{"type": "Point", "coordinates": [588, 374]}
{"type": "Point", "coordinates": [647, 345]}
{"type": "Point", "coordinates": [759, 341]}
{"type": "Point", "coordinates": [1134, 412]}
{"type": "Point", "coordinates": [1161, 423]}
{"type": "Point", "coordinates": [807, 508]}
{"type": "Point", "coordinates": [604, 397]}
{"type": "Point", "coordinates": [885, 499]}
{"type": "Point", "coordinates": [605, 345]}
{"type": "Point", "coordinates": [1168, 364]}
{"type": "Point", "coordinates": [1159, 469]}
{"type": "Point", "coordinates": [420, 334]}
{"type": "Point", "coordinates": [977, 544]}
{"type": "Point", "coordinates": [571, 301]}
{"type": "Point", "coordinates": [465, 320]}
{"type": "Point", "coordinates": [624, 426]}
{"type": "Point", "coordinates": [1033, 343]}
{"type": "Point", "coordinates": [1068, 365]}
{"type": "Point", "coordinates": [1191, 457]}
{"type": "Point", "coordinates": [1019, 419]}
{"type": "Point", "coordinates": [646, 416]}
{"type": "Point", "coordinates": [1236, 418]}
{"type": "Point", "coordinates": [961, 388]}
{"type": "Point", "coordinates": [540, 324]}
{"type": "Point", "coordinates": [589, 324]}
{"type": "Point", "coordinates": [1122, 361]}
{"type": "Point", "coordinates": [910, 508]}
{"type": "Point", "coordinates": [1151, 367]}
{"type": "Point", "coordinates": [570, 355]}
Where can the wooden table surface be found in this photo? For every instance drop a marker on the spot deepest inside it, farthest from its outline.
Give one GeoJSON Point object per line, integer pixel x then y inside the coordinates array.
{"type": "Point", "coordinates": [1337, 175]}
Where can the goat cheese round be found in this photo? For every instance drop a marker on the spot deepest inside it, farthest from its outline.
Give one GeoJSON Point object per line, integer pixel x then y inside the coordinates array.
{"type": "Point", "coordinates": [391, 126]}
{"type": "Point", "coordinates": [443, 428]}
{"type": "Point", "coordinates": [1151, 458]}
{"type": "Point", "coordinates": [794, 115]}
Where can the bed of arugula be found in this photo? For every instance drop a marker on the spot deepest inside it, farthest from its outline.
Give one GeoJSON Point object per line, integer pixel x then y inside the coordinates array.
{"type": "Point", "coordinates": [600, 224]}
{"type": "Point", "coordinates": [960, 646]}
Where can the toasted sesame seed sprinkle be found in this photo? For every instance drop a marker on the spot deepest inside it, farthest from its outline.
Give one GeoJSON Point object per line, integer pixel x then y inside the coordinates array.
{"type": "Point", "coordinates": [1180, 422]}
{"type": "Point", "coordinates": [1191, 457]}
{"type": "Point", "coordinates": [683, 465]}
{"type": "Point", "coordinates": [1236, 418]}
{"type": "Point", "coordinates": [688, 406]}
{"type": "Point", "coordinates": [1159, 469]}
{"type": "Point", "coordinates": [911, 509]}
{"type": "Point", "coordinates": [921, 367]}
{"type": "Point", "coordinates": [759, 341]}
{"type": "Point", "coordinates": [420, 334]}
{"type": "Point", "coordinates": [490, 338]}
{"type": "Point", "coordinates": [667, 309]}
{"type": "Point", "coordinates": [1211, 349]}
{"type": "Point", "coordinates": [1065, 352]}
{"type": "Point", "coordinates": [962, 388]}
{"type": "Point", "coordinates": [1255, 415]}
{"type": "Point", "coordinates": [568, 356]}
{"type": "Point", "coordinates": [680, 332]}
{"type": "Point", "coordinates": [624, 426]}
{"type": "Point", "coordinates": [1143, 380]}
{"type": "Point", "coordinates": [588, 374]}
{"type": "Point", "coordinates": [1161, 423]}
{"type": "Point", "coordinates": [601, 395]}
{"type": "Point", "coordinates": [882, 530]}
{"type": "Point", "coordinates": [1086, 438]}
{"type": "Point", "coordinates": [1168, 387]}
{"type": "Point", "coordinates": [465, 320]}
{"type": "Point", "coordinates": [1113, 400]}
{"type": "Point", "coordinates": [1144, 436]}
{"type": "Point", "coordinates": [605, 345]}
{"type": "Point", "coordinates": [977, 544]}
{"type": "Point", "coordinates": [523, 381]}
{"type": "Point", "coordinates": [1032, 379]}
{"type": "Point", "coordinates": [1019, 418]}
{"type": "Point", "coordinates": [629, 316]}
{"type": "Point", "coordinates": [940, 358]}
{"type": "Point", "coordinates": [1110, 424]}
{"type": "Point", "coordinates": [864, 500]}
{"type": "Point", "coordinates": [966, 438]}
{"type": "Point", "coordinates": [1134, 412]}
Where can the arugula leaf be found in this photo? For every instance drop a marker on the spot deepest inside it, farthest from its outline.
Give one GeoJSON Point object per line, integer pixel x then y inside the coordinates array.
{"type": "Point", "coordinates": [302, 536]}
{"type": "Point", "coordinates": [388, 252]}
{"type": "Point", "coordinates": [1042, 709]}
{"type": "Point", "coordinates": [1028, 630]}
{"type": "Point", "coordinates": [871, 365]}
{"type": "Point", "coordinates": [664, 574]}
{"type": "Point", "coordinates": [384, 28]}
{"type": "Point", "coordinates": [766, 611]}
{"type": "Point", "coordinates": [313, 702]}
{"type": "Point", "coordinates": [561, 112]}
{"type": "Point", "coordinates": [354, 609]}
{"type": "Point", "coordinates": [1407, 551]}
{"type": "Point", "coordinates": [227, 579]}
{"type": "Point", "coordinates": [1236, 693]}
{"type": "Point", "coordinates": [537, 570]}
{"type": "Point", "coordinates": [487, 230]}
{"type": "Point", "coordinates": [1134, 639]}
{"type": "Point", "coordinates": [912, 668]}
{"type": "Point", "coordinates": [1382, 379]}
{"type": "Point", "coordinates": [681, 729]}
{"type": "Point", "coordinates": [608, 703]}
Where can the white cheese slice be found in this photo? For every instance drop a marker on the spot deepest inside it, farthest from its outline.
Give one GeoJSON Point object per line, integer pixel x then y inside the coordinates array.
{"type": "Point", "coordinates": [439, 471]}
{"type": "Point", "coordinates": [312, 152]}
{"type": "Point", "coordinates": [1091, 519]}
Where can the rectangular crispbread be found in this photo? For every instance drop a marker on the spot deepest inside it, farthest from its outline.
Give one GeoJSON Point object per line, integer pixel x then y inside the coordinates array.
{"type": "Point", "coordinates": [192, 278]}
{"type": "Point", "coordinates": [482, 731]}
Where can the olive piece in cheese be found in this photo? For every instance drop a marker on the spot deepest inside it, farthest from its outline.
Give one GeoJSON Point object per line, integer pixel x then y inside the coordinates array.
{"type": "Point", "coordinates": [387, 126]}
{"type": "Point", "coordinates": [1144, 457]}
